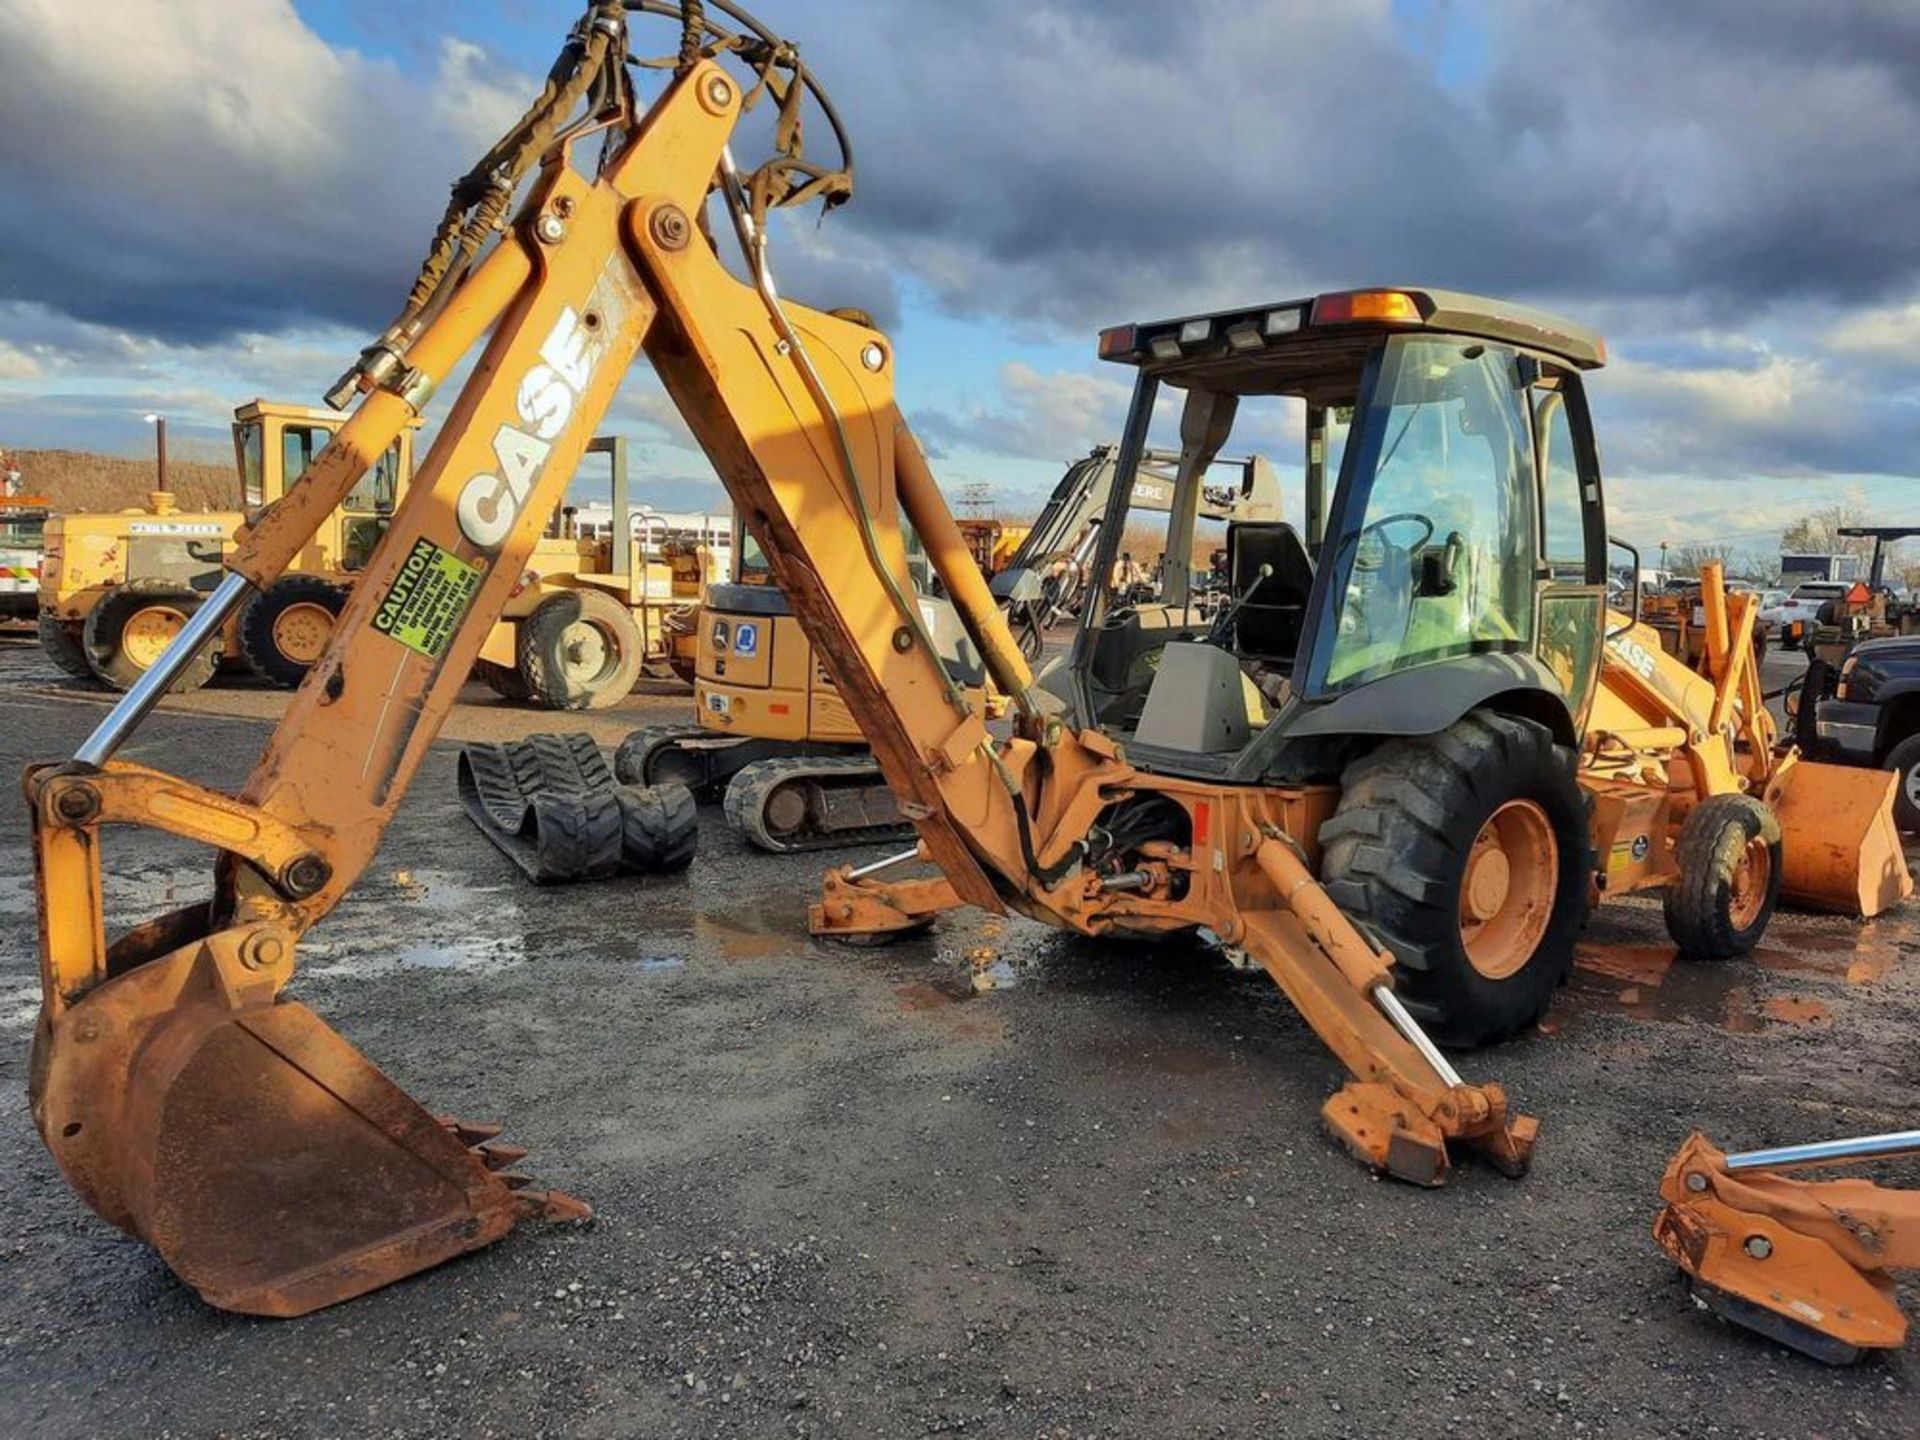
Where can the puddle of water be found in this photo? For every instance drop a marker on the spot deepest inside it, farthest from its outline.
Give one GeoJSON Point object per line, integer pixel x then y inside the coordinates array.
{"type": "Point", "coordinates": [988, 970]}
{"type": "Point", "coordinates": [753, 935]}
{"type": "Point", "coordinates": [1861, 959]}
{"type": "Point", "coordinates": [1798, 1010]}
{"type": "Point", "coordinates": [1651, 982]}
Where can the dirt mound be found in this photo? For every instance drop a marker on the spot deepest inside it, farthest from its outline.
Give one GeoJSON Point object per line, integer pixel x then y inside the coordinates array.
{"type": "Point", "coordinates": [76, 480]}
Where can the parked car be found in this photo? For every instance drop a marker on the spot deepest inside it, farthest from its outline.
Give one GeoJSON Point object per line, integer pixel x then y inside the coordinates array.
{"type": "Point", "coordinates": [1804, 603]}
{"type": "Point", "coordinates": [1868, 713]}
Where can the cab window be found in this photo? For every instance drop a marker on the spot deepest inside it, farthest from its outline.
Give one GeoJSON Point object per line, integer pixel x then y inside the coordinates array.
{"type": "Point", "coordinates": [252, 459]}
{"type": "Point", "coordinates": [375, 493]}
{"type": "Point", "coordinates": [1563, 521]}
{"type": "Point", "coordinates": [1436, 558]}
{"type": "Point", "coordinates": [298, 445]}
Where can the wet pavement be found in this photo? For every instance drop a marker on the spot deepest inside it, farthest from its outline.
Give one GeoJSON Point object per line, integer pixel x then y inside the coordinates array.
{"type": "Point", "coordinates": [995, 1180]}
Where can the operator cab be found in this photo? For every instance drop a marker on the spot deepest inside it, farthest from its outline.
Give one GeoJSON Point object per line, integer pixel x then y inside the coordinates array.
{"type": "Point", "coordinates": [1459, 560]}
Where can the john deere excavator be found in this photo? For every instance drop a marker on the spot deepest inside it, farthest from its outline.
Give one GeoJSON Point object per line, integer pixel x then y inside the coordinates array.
{"type": "Point", "coordinates": [1307, 777]}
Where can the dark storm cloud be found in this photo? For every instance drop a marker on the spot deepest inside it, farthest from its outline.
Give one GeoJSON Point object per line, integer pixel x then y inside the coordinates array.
{"type": "Point", "coordinates": [218, 169]}
{"type": "Point", "coordinates": [1080, 160]}
{"type": "Point", "coordinates": [197, 169]}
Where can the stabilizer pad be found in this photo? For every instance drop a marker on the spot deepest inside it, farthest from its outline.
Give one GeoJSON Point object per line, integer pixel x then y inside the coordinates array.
{"type": "Point", "coordinates": [552, 806]}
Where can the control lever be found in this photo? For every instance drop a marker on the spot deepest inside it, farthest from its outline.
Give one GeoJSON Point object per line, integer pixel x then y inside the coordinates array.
{"type": "Point", "coordinates": [1223, 622]}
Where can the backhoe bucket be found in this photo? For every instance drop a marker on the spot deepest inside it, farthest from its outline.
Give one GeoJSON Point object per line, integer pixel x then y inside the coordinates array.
{"type": "Point", "coordinates": [273, 1167]}
{"type": "Point", "coordinates": [1840, 849]}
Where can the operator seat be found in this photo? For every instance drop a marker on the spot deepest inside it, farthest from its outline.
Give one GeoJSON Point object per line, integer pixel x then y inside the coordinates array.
{"type": "Point", "coordinates": [1269, 623]}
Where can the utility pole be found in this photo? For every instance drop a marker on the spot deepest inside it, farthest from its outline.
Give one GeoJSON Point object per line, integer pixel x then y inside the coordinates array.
{"type": "Point", "coordinates": [159, 423]}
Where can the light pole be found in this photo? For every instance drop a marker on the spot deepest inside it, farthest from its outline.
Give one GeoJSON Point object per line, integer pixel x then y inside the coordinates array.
{"type": "Point", "coordinates": [159, 423]}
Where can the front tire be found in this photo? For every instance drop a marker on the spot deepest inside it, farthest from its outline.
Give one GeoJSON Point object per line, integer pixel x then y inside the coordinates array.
{"type": "Point", "coordinates": [1468, 854]}
{"type": "Point", "coordinates": [1904, 761]}
{"type": "Point", "coordinates": [63, 646]}
{"type": "Point", "coordinates": [132, 626]}
{"type": "Point", "coordinates": [580, 650]}
{"type": "Point", "coordinates": [1728, 854]}
{"type": "Point", "coordinates": [285, 628]}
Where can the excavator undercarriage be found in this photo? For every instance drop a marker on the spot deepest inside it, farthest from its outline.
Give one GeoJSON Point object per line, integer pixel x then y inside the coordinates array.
{"type": "Point", "coordinates": [1273, 777]}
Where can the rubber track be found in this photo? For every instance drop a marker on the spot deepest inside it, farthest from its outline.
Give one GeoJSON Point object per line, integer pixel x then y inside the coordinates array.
{"type": "Point", "coordinates": [753, 787]}
{"type": "Point", "coordinates": [552, 806]}
{"type": "Point", "coordinates": [630, 759]}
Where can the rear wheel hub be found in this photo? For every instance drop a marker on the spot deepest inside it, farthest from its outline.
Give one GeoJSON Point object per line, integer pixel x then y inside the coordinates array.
{"type": "Point", "coordinates": [1507, 891]}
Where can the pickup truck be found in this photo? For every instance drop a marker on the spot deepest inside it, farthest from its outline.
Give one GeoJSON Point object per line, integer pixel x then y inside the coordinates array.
{"type": "Point", "coordinates": [1804, 604]}
{"type": "Point", "coordinates": [1868, 713]}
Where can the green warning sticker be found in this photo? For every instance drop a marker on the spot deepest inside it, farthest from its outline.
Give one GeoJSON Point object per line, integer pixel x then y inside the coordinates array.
{"type": "Point", "coordinates": [428, 600]}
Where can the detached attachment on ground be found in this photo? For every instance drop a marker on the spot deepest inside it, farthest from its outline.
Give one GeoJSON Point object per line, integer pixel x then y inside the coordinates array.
{"type": "Point", "coordinates": [552, 806]}
{"type": "Point", "coordinates": [1803, 1262]}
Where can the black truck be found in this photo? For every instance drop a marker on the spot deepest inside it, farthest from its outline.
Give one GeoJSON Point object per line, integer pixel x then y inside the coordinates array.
{"type": "Point", "coordinates": [1867, 712]}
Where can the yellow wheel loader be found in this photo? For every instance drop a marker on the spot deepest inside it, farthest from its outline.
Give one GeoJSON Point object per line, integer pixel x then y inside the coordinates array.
{"type": "Point", "coordinates": [117, 588]}
{"type": "Point", "coordinates": [1308, 776]}
{"type": "Point", "coordinates": [592, 612]}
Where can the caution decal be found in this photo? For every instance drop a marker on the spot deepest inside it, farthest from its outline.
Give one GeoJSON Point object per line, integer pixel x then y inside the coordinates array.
{"type": "Point", "coordinates": [428, 600]}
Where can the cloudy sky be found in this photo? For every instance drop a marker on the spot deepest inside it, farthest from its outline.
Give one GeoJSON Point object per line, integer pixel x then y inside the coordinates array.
{"type": "Point", "coordinates": [205, 200]}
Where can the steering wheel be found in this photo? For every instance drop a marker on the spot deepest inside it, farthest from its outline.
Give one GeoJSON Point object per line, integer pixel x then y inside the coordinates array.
{"type": "Point", "coordinates": [1403, 517]}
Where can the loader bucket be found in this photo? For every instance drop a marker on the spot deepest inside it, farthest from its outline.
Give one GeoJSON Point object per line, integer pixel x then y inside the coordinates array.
{"type": "Point", "coordinates": [1840, 850]}
{"type": "Point", "coordinates": [274, 1168]}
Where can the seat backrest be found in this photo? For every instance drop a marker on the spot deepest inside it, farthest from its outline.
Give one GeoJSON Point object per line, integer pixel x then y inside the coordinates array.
{"type": "Point", "coordinates": [1269, 623]}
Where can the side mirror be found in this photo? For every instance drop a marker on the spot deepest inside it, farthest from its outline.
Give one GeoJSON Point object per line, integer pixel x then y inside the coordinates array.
{"type": "Point", "coordinates": [1633, 608]}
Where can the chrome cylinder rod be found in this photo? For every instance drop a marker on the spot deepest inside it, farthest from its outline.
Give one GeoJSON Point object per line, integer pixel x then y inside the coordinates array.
{"type": "Point", "coordinates": [1829, 1152]}
{"type": "Point", "coordinates": [887, 864]}
{"type": "Point", "coordinates": [1411, 1032]}
{"type": "Point", "coordinates": [203, 625]}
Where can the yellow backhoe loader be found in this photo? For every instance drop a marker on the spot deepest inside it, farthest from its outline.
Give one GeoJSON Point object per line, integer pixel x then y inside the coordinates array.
{"type": "Point", "coordinates": [117, 587]}
{"type": "Point", "coordinates": [1308, 777]}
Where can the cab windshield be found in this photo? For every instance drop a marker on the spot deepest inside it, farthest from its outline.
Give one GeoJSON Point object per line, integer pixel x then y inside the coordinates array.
{"type": "Point", "coordinates": [1432, 553]}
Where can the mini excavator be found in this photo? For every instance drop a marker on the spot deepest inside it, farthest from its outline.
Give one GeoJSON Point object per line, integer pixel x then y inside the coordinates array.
{"type": "Point", "coordinates": [1359, 775]}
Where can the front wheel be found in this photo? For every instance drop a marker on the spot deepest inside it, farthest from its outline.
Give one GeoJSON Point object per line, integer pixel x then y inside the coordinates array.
{"type": "Point", "coordinates": [1468, 854]}
{"type": "Point", "coordinates": [1904, 761]}
{"type": "Point", "coordinates": [131, 628]}
{"type": "Point", "coordinates": [580, 650]}
{"type": "Point", "coordinates": [1728, 856]}
{"type": "Point", "coordinates": [286, 627]}
{"type": "Point", "coordinates": [63, 646]}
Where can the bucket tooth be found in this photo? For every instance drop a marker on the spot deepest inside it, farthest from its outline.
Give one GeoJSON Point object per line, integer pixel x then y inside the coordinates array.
{"type": "Point", "coordinates": [558, 1206]}
{"type": "Point", "coordinates": [499, 1155]}
{"type": "Point", "coordinates": [469, 1133]}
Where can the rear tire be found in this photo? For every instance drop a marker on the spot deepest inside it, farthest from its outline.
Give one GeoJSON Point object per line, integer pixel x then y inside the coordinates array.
{"type": "Point", "coordinates": [286, 627]}
{"type": "Point", "coordinates": [64, 647]}
{"type": "Point", "coordinates": [580, 650]}
{"type": "Point", "coordinates": [1904, 761]}
{"type": "Point", "coordinates": [131, 627]}
{"type": "Point", "coordinates": [1729, 858]}
{"type": "Point", "coordinates": [503, 680]}
{"type": "Point", "coordinates": [1468, 854]}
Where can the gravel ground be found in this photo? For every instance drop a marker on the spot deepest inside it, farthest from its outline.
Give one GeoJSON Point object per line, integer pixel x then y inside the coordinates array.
{"type": "Point", "coordinates": [998, 1181]}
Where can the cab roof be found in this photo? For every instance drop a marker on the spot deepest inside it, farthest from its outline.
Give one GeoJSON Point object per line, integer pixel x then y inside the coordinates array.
{"type": "Point", "coordinates": [1231, 346]}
